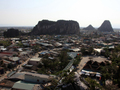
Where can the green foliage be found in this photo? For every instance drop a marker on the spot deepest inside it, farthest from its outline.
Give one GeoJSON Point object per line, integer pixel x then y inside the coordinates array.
{"type": "Point", "coordinates": [68, 78]}
{"type": "Point", "coordinates": [93, 84]}
{"type": "Point", "coordinates": [63, 59]}
{"type": "Point", "coordinates": [87, 51]}
{"type": "Point", "coordinates": [112, 71]}
{"type": "Point", "coordinates": [20, 44]}
{"type": "Point", "coordinates": [55, 65]}
{"type": "Point", "coordinates": [107, 53]}
{"type": "Point", "coordinates": [77, 60]}
{"type": "Point", "coordinates": [5, 43]}
{"type": "Point", "coordinates": [42, 70]}
{"type": "Point", "coordinates": [36, 48]}
{"type": "Point", "coordinates": [83, 50]}
{"type": "Point", "coordinates": [90, 50]}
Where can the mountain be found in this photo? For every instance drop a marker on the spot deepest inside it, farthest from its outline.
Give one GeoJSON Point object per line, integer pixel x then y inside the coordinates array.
{"type": "Point", "coordinates": [12, 33]}
{"type": "Point", "coordinates": [106, 27]}
{"type": "Point", "coordinates": [59, 27]}
{"type": "Point", "coordinates": [90, 27]}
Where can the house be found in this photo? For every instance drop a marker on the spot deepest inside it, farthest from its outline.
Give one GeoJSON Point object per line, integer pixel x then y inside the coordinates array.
{"type": "Point", "coordinates": [57, 44]}
{"type": "Point", "coordinates": [75, 50]}
{"type": "Point", "coordinates": [22, 85]}
{"type": "Point", "coordinates": [30, 77]}
{"type": "Point", "coordinates": [6, 62]}
{"type": "Point", "coordinates": [15, 60]}
{"type": "Point", "coordinates": [45, 45]}
{"type": "Point", "coordinates": [34, 61]}
{"type": "Point", "coordinates": [36, 78]}
{"type": "Point", "coordinates": [6, 54]}
{"type": "Point", "coordinates": [2, 48]}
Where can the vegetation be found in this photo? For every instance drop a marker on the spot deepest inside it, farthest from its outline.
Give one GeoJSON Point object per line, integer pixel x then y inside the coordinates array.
{"type": "Point", "coordinates": [93, 85]}
{"type": "Point", "coordinates": [87, 51]}
{"type": "Point", "coordinates": [5, 43]}
{"type": "Point", "coordinates": [68, 78]}
{"type": "Point", "coordinates": [55, 65]}
{"type": "Point", "coordinates": [20, 44]}
{"type": "Point", "coordinates": [77, 60]}
{"type": "Point", "coordinates": [111, 71]}
{"type": "Point", "coordinates": [36, 48]}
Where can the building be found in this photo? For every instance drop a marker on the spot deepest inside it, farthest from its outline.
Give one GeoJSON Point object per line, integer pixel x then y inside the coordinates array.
{"type": "Point", "coordinates": [15, 59]}
{"type": "Point", "coordinates": [34, 61]}
{"type": "Point", "coordinates": [21, 85]}
{"type": "Point", "coordinates": [37, 78]}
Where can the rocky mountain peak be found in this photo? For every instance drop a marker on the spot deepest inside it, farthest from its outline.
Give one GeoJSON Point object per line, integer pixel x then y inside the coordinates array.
{"type": "Point", "coordinates": [90, 27]}
{"type": "Point", "coordinates": [106, 27]}
{"type": "Point", "coordinates": [58, 27]}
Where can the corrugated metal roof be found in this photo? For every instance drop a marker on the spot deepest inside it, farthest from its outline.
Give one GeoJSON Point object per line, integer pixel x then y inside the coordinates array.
{"type": "Point", "coordinates": [72, 54]}
{"type": "Point", "coordinates": [23, 85]}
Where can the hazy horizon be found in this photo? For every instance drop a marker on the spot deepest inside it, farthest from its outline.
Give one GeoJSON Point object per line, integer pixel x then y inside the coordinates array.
{"type": "Point", "coordinates": [85, 12]}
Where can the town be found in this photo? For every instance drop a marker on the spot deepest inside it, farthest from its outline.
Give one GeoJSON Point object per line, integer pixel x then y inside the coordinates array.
{"type": "Point", "coordinates": [85, 61]}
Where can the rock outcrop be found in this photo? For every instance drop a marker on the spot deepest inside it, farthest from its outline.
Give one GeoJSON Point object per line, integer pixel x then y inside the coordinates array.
{"type": "Point", "coordinates": [12, 33]}
{"type": "Point", "coordinates": [90, 27]}
{"type": "Point", "coordinates": [106, 27]}
{"type": "Point", "coordinates": [52, 27]}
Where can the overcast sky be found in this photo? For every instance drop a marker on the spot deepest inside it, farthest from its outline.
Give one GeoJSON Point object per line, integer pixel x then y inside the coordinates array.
{"type": "Point", "coordinates": [29, 12]}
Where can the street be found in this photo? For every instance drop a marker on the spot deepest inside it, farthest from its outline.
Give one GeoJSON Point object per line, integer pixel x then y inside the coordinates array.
{"type": "Point", "coordinates": [81, 85]}
{"type": "Point", "coordinates": [18, 67]}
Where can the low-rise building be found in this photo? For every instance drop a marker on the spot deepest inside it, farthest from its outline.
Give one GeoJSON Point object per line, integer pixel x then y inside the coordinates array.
{"type": "Point", "coordinates": [34, 61]}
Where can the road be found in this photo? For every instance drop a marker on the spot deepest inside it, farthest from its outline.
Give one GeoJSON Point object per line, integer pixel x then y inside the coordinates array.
{"type": "Point", "coordinates": [4, 76]}
{"type": "Point", "coordinates": [81, 85]}
{"type": "Point", "coordinates": [19, 67]}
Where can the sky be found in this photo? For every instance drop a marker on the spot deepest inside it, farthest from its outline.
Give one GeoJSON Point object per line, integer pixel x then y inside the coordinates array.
{"type": "Point", "coordinates": [85, 12]}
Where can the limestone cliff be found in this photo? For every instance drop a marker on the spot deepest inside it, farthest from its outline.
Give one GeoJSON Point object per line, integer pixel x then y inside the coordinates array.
{"type": "Point", "coordinates": [59, 27]}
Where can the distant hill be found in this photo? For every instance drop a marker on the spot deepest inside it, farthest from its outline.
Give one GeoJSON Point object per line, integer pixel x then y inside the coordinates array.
{"type": "Point", "coordinates": [59, 27]}
{"type": "Point", "coordinates": [90, 27]}
{"type": "Point", "coordinates": [106, 27]}
{"type": "Point", "coordinates": [12, 33]}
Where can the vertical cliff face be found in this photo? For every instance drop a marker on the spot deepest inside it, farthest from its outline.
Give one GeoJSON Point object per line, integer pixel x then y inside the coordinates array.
{"type": "Point", "coordinates": [59, 27]}
{"type": "Point", "coordinates": [106, 27]}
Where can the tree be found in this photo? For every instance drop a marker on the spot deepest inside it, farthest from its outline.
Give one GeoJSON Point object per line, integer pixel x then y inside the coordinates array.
{"type": "Point", "coordinates": [92, 83]}
{"type": "Point", "coordinates": [83, 51]}
{"type": "Point", "coordinates": [68, 78]}
{"type": "Point", "coordinates": [90, 50]}
{"type": "Point", "coordinates": [5, 43]}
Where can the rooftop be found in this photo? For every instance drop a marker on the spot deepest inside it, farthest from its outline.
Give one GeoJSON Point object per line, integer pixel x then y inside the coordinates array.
{"type": "Point", "coordinates": [35, 59]}
{"type": "Point", "coordinates": [23, 85]}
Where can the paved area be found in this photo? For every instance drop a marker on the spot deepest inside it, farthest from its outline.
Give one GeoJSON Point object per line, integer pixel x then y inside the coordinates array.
{"type": "Point", "coordinates": [4, 76]}
{"type": "Point", "coordinates": [81, 85]}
